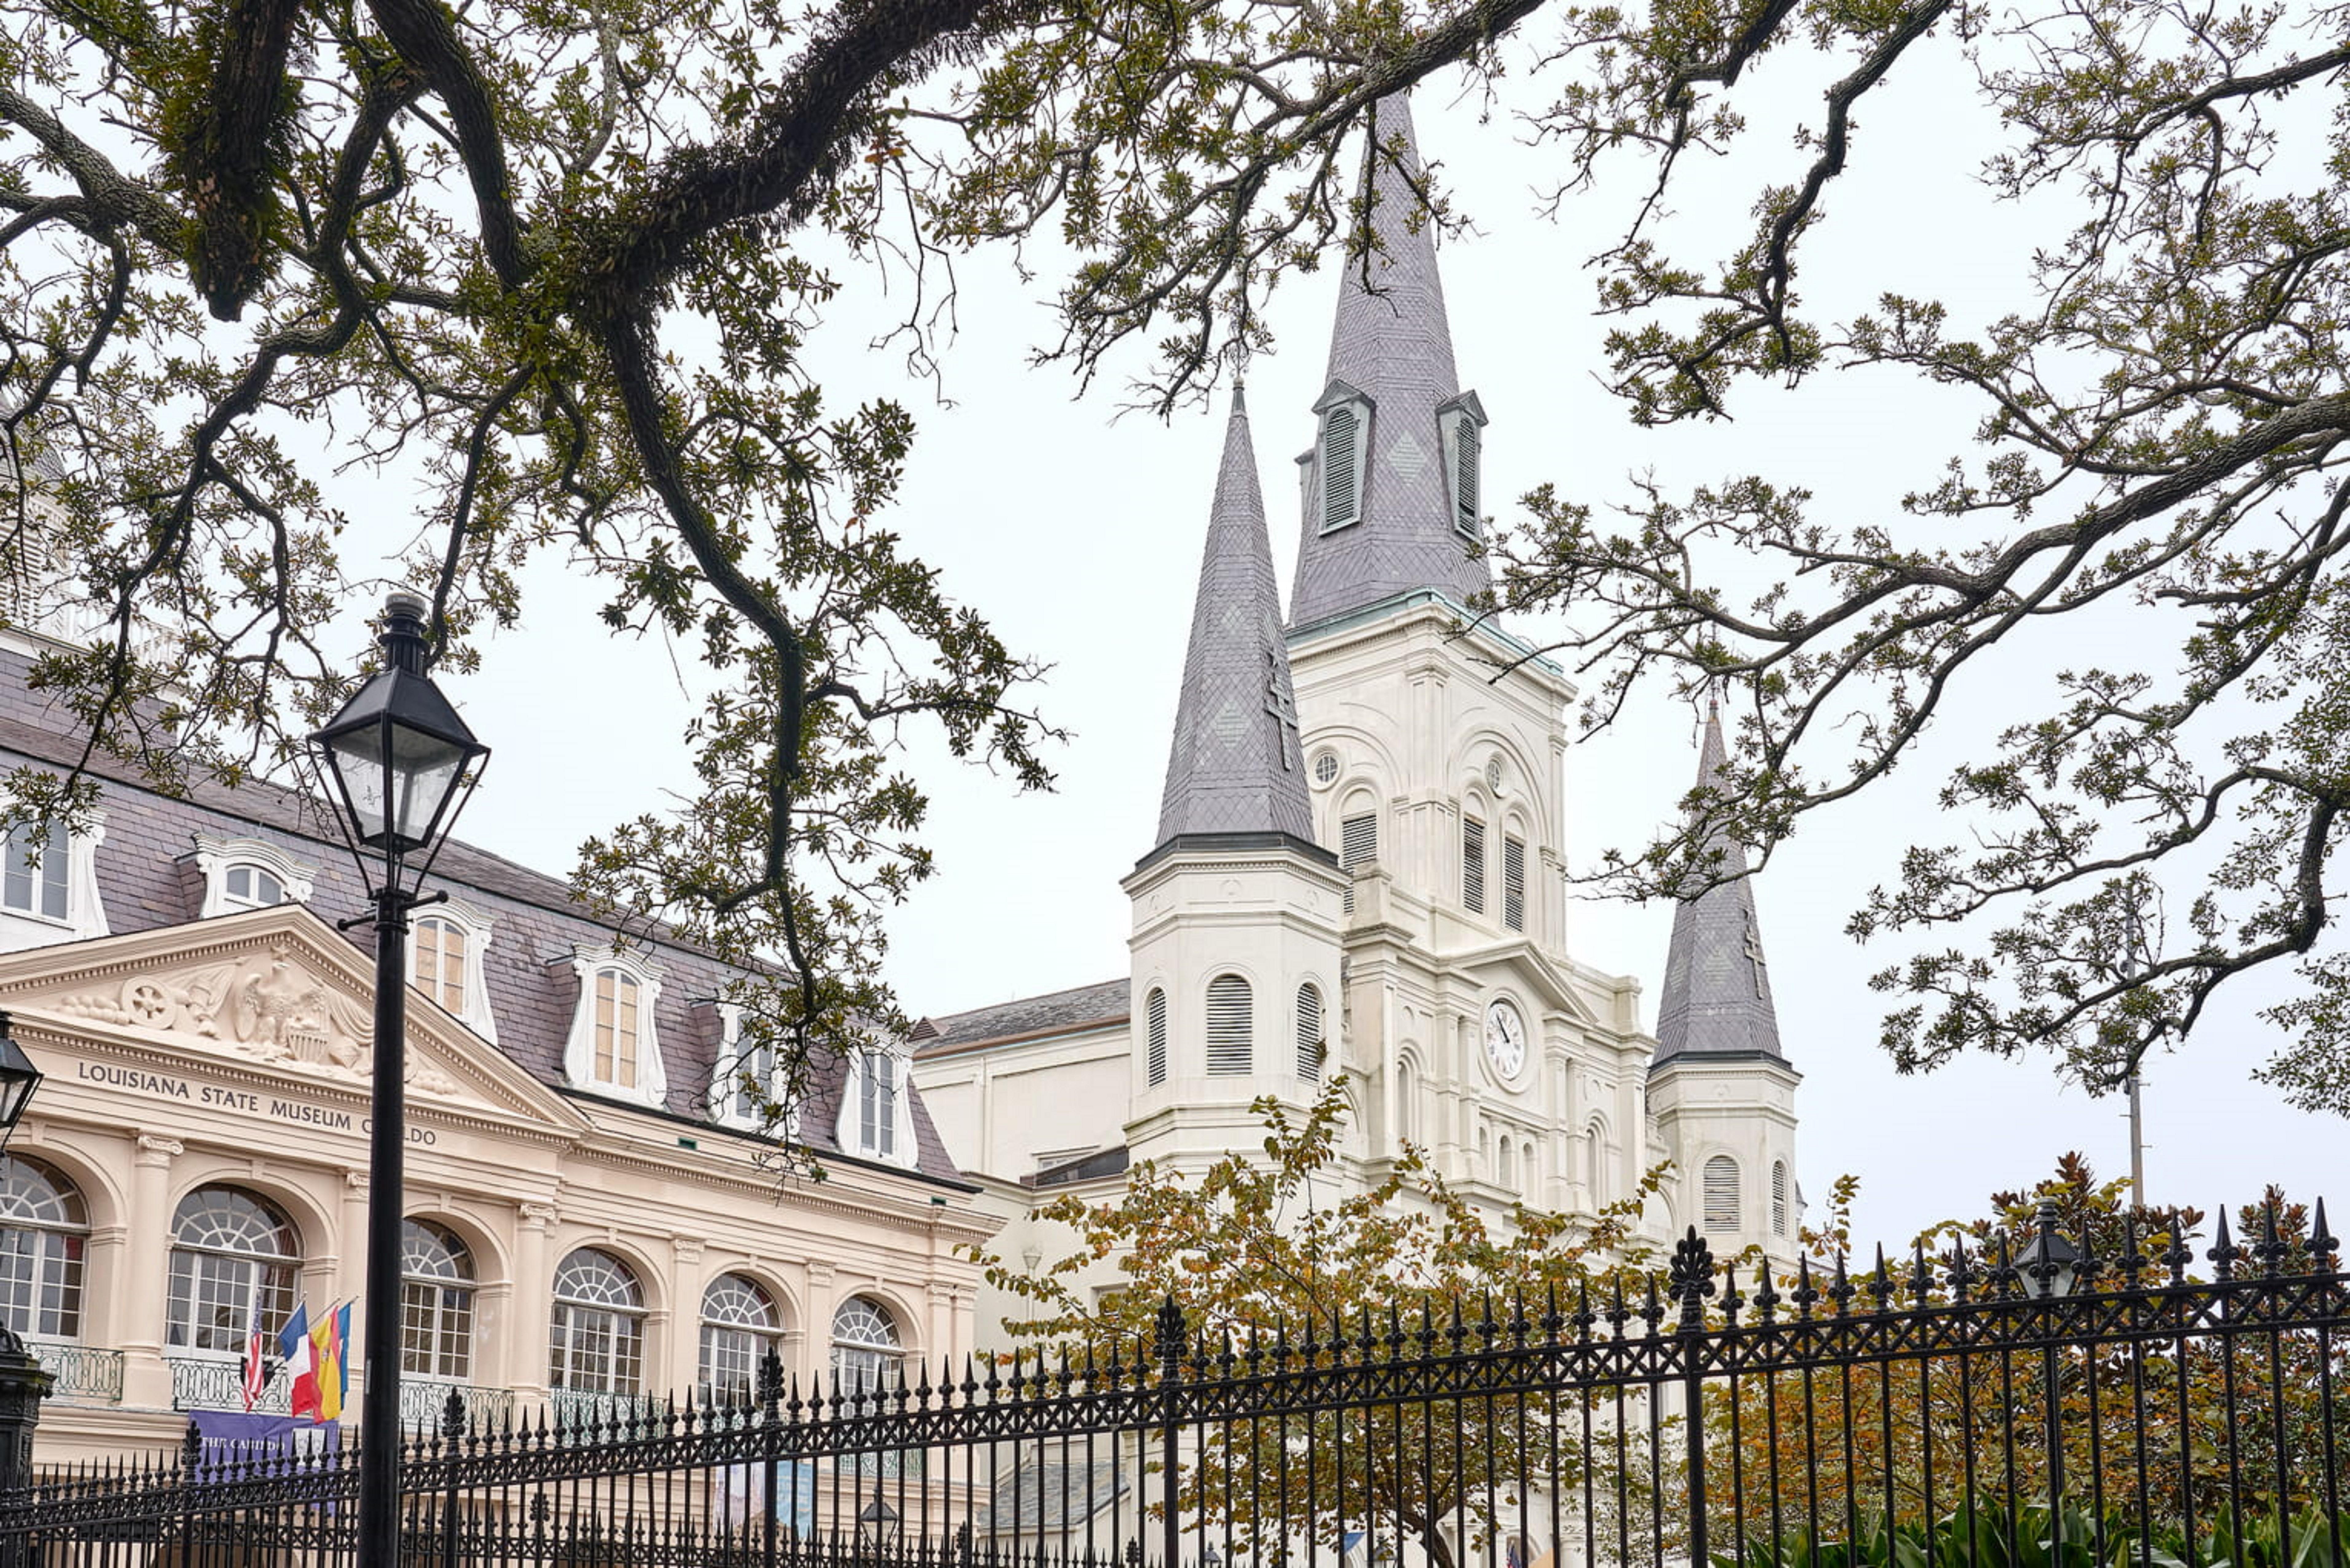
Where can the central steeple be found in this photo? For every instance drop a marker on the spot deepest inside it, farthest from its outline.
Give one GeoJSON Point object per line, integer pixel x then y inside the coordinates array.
{"type": "Point", "coordinates": [1390, 486]}
{"type": "Point", "coordinates": [1717, 994]}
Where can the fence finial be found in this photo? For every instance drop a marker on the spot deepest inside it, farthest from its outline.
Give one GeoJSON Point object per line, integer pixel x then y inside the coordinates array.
{"type": "Point", "coordinates": [1169, 1343]}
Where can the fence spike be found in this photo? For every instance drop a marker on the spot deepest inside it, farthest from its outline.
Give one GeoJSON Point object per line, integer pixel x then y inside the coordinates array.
{"type": "Point", "coordinates": [1804, 1295]}
{"type": "Point", "coordinates": [2321, 1240]}
{"type": "Point", "coordinates": [2224, 1253]}
{"type": "Point", "coordinates": [1921, 1278]}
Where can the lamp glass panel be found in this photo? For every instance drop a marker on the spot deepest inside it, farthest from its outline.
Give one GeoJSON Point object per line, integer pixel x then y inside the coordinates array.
{"type": "Point", "coordinates": [422, 772]}
{"type": "Point", "coordinates": [16, 1090]}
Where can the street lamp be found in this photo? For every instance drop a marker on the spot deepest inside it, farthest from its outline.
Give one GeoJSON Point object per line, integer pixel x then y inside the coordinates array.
{"type": "Point", "coordinates": [879, 1520]}
{"type": "Point", "coordinates": [2051, 1266]}
{"type": "Point", "coordinates": [398, 764]}
{"type": "Point", "coordinates": [18, 1079]}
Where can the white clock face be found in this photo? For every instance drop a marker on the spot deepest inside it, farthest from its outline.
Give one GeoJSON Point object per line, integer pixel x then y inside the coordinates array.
{"type": "Point", "coordinates": [1506, 1039]}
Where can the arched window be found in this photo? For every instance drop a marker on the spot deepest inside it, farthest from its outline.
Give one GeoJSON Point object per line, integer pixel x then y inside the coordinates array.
{"type": "Point", "coordinates": [864, 1348]}
{"type": "Point", "coordinates": [35, 880]}
{"type": "Point", "coordinates": [1721, 1193]}
{"type": "Point", "coordinates": [1473, 865]}
{"type": "Point", "coordinates": [1778, 1198]}
{"type": "Point", "coordinates": [1501, 1171]}
{"type": "Point", "coordinates": [1342, 464]}
{"type": "Point", "coordinates": [619, 1035]}
{"type": "Point", "coordinates": [1594, 1162]}
{"type": "Point", "coordinates": [248, 873]}
{"type": "Point", "coordinates": [739, 1325]}
{"type": "Point", "coordinates": [1311, 1047]}
{"type": "Point", "coordinates": [1230, 1047]}
{"type": "Point", "coordinates": [598, 1331]}
{"type": "Point", "coordinates": [1407, 1112]}
{"type": "Point", "coordinates": [1154, 1036]}
{"type": "Point", "coordinates": [252, 887]}
{"type": "Point", "coordinates": [231, 1252]}
{"type": "Point", "coordinates": [44, 1229]}
{"type": "Point", "coordinates": [436, 1302]}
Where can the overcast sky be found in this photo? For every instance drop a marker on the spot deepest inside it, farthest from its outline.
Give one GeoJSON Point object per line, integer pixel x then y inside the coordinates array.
{"type": "Point", "coordinates": [1079, 533]}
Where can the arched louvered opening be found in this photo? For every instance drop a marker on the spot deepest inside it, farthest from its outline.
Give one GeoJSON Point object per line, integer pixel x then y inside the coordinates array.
{"type": "Point", "coordinates": [1721, 1193]}
{"type": "Point", "coordinates": [1341, 498]}
{"type": "Point", "coordinates": [1778, 1198]}
{"type": "Point", "coordinates": [1154, 1036]}
{"type": "Point", "coordinates": [1230, 1051]}
{"type": "Point", "coordinates": [1465, 444]}
{"type": "Point", "coordinates": [1310, 1047]}
{"type": "Point", "coordinates": [1513, 883]}
{"type": "Point", "coordinates": [1358, 845]}
{"type": "Point", "coordinates": [1473, 865]}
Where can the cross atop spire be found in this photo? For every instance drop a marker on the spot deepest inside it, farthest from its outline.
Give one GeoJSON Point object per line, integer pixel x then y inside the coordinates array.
{"type": "Point", "coordinates": [1234, 767]}
{"type": "Point", "coordinates": [1716, 994]}
{"type": "Point", "coordinates": [1385, 510]}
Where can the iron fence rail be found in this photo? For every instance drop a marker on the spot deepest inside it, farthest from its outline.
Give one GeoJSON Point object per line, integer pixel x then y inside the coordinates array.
{"type": "Point", "coordinates": [1934, 1413]}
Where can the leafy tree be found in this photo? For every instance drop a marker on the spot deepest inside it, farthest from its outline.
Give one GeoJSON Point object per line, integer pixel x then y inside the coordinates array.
{"type": "Point", "coordinates": [2158, 440]}
{"type": "Point", "coordinates": [549, 273]}
{"type": "Point", "coordinates": [1277, 1261]}
{"type": "Point", "coordinates": [2183, 1434]}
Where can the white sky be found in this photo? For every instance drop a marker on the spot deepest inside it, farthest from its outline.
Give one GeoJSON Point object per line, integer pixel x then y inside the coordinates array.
{"type": "Point", "coordinates": [1079, 534]}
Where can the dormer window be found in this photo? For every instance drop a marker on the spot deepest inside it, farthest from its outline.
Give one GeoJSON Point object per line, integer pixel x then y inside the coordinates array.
{"type": "Point", "coordinates": [1460, 422]}
{"type": "Point", "coordinates": [877, 1118]}
{"type": "Point", "coordinates": [614, 1047]}
{"type": "Point", "coordinates": [48, 883]}
{"type": "Point", "coordinates": [446, 962]}
{"type": "Point", "coordinates": [1340, 456]}
{"type": "Point", "coordinates": [248, 873]}
{"type": "Point", "coordinates": [742, 1087]}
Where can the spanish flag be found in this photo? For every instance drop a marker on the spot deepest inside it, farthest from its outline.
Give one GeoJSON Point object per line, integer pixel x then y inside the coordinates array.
{"type": "Point", "coordinates": [331, 1355]}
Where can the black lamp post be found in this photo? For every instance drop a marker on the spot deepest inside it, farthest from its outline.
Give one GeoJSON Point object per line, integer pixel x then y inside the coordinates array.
{"type": "Point", "coordinates": [2049, 1266]}
{"type": "Point", "coordinates": [399, 764]}
{"type": "Point", "coordinates": [18, 1079]}
{"type": "Point", "coordinates": [878, 1520]}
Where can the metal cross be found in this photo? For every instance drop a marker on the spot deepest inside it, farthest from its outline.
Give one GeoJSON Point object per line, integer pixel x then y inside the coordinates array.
{"type": "Point", "coordinates": [1281, 704]}
{"type": "Point", "coordinates": [1754, 954]}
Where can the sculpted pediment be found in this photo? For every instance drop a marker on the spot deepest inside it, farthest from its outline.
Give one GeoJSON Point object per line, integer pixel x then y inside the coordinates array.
{"type": "Point", "coordinates": [262, 988]}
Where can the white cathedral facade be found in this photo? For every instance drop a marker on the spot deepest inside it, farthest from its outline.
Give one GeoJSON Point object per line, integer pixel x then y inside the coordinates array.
{"type": "Point", "coordinates": [1359, 869]}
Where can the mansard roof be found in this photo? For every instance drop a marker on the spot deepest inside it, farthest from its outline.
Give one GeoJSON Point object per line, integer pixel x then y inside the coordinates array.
{"type": "Point", "coordinates": [1054, 1013]}
{"type": "Point", "coordinates": [1716, 994]}
{"type": "Point", "coordinates": [1233, 767]}
{"type": "Point", "coordinates": [146, 881]}
{"type": "Point", "coordinates": [1391, 344]}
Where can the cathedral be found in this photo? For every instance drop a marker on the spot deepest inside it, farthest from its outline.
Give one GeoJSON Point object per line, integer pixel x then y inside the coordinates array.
{"type": "Point", "coordinates": [1360, 867]}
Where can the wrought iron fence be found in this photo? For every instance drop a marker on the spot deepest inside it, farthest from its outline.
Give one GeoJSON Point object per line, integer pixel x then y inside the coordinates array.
{"type": "Point", "coordinates": [1959, 1411]}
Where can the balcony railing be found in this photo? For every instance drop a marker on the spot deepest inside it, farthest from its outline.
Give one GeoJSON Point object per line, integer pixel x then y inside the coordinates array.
{"type": "Point", "coordinates": [423, 1403]}
{"type": "Point", "coordinates": [206, 1385]}
{"type": "Point", "coordinates": [81, 1374]}
{"type": "Point", "coordinates": [593, 1407]}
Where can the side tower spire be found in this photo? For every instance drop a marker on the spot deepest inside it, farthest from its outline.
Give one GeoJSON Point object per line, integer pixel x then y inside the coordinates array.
{"type": "Point", "coordinates": [1390, 486]}
{"type": "Point", "coordinates": [1717, 995]}
{"type": "Point", "coordinates": [1235, 766]}
{"type": "Point", "coordinates": [1234, 951]}
{"type": "Point", "coordinates": [1719, 1086]}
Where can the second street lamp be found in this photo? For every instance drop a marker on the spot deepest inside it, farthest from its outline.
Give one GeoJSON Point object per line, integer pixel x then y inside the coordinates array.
{"type": "Point", "coordinates": [398, 764]}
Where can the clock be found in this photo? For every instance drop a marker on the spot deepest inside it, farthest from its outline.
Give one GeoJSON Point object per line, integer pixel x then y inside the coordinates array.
{"type": "Point", "coordinates": [1506, 1039]}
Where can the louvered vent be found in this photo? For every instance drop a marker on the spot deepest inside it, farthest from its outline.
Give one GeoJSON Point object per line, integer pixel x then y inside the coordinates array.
{"type": "Point", "coordinates": [1473, 865]}
{"type": "Point", "coordinates": [1513, 883]}
{"type": "Point", "coordinates": [1309, 1034]}
{"type": "Point", "coordinates": [1339, 501]}
{"type": "Point", "coordinates": [1154, 1048]}
{"type": "Point", "coordinates": [1778, 1198]}
{"type": "Point", "coordinates": [1721, 1193]}
{"type": "Point", "coordinates": [1465, 439]}
{"type": "Point", "coordinates": [1358, 845]}
{"type": "Point", "coordinates": [1228, 1027]}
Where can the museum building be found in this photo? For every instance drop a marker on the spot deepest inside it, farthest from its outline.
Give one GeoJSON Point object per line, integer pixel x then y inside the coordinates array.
{"type": "Point", "coordinates": [596, 1210]}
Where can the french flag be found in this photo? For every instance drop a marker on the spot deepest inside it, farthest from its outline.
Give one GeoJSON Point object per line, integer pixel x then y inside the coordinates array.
{"type": "Point", "coordinates": [294, 1344]}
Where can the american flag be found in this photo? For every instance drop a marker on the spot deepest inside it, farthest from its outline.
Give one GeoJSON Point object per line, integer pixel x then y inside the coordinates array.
{"type": "Point", "coordinates": [257, 1376]}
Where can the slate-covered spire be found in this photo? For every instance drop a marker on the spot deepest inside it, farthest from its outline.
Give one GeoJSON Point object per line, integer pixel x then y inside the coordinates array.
{"type": "Point", "coordinates": [1391, 348]}
{"type": "Point", "coordinates": [1234, 768]}
{"type": "Point", "coordinates": [1717, 995]}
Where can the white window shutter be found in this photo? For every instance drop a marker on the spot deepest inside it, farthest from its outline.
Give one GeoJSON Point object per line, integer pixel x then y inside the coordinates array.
{"type": "Point", "coordinates": [1721, 1193]}
{"type": "Point", "coordinates": [1155, 1037]}
{"type": "Point", "coordinates": [1229, 1048]}
{"type": "Point", "coordinates": [1309, 1034]}
{"type": "Point", "coordinates": [1473, 865]}
{"type": "Point", "coordinates": [1513, 883]}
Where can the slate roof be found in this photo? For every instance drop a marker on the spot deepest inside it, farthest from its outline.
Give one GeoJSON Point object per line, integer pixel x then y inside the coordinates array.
{"type": "Point", "coordinates": [1392, 341]}
{"type": "Point", "coordinates": [1052, 1492]}
{"type": "Point", "coordinates": [146, 880]}
{"type": "Point", "coordinates": [1106, 1003]}
{"type": "Point", "coordinates": [1233, 766]}
{"type": "Point", "coordinates": [1716, 994]}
